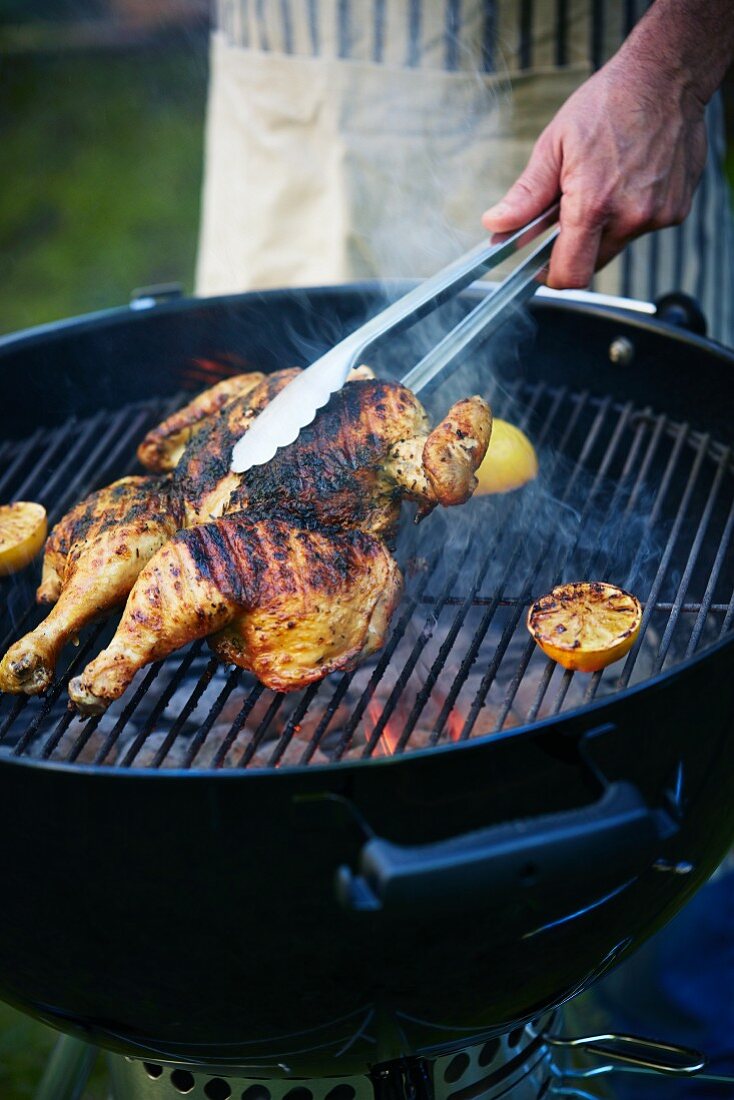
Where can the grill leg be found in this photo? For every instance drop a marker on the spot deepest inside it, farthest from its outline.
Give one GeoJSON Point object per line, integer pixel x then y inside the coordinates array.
{"type": "Point", "coordinates": [67, 1070]}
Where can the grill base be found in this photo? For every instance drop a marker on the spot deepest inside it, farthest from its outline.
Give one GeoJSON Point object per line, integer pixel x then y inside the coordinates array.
{"type": "Point", "coordinates": [517, 1066]}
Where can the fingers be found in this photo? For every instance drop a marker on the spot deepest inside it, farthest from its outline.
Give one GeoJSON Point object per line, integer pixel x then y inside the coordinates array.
{"type": "Point", "coordinates": [575, 253]}
{"type": "Point", "coordinates": [532, 192]}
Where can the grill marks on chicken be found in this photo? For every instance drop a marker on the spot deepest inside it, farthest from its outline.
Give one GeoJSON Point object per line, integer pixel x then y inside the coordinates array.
{"type": "Point", "coordinates": [202, 480]}
{"type": "Point", "coordinates": [285, 568]}
{"type": "Point", "coordinates": [287, 603]}
{"type": "Point", "coordinates": [337, 472]}
{"type": "Point", "coordinates": [91, 560]}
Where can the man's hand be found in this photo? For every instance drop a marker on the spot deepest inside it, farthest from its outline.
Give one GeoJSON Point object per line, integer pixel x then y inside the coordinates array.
{"type": "Point", "coordinates": [627, 149]}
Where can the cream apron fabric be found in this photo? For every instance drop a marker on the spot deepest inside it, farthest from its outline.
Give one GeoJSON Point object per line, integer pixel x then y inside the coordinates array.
{"type": "Point", "coordinates": [324, 165]}
{"type": "Point", "coordinates": [320, 170]}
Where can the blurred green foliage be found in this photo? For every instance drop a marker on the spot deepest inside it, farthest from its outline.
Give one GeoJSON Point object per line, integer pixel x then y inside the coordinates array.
{"type": "Point", "coordinates": [102, 156]}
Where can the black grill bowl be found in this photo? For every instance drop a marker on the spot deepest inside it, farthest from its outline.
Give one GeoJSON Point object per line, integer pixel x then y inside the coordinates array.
{"type": "Point", "coordinates": [315, 920]}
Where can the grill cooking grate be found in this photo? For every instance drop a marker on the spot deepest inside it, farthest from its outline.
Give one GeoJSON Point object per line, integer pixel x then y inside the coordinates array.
{"type": "Point", "coordinates": [624, 495]}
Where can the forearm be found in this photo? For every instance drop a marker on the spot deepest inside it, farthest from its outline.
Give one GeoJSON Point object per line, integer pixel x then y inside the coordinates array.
{"type": "Point", "coordinates": [689, 42]}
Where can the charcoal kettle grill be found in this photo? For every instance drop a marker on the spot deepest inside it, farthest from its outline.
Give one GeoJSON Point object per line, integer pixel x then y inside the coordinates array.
{"type": "Point", "coordinates": [428, 853]}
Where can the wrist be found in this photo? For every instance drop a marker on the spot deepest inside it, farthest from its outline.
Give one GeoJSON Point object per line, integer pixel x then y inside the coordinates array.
{"type": "Point", "coordinates": [681, 48]}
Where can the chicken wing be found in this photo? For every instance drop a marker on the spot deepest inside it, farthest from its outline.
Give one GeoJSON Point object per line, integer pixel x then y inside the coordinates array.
{"type": "Point", "coordinates": [288, 603]}
{"type": "Point", "coordinates": [164, 445]}
{"type": "Point", "coordinates": [91, 561]}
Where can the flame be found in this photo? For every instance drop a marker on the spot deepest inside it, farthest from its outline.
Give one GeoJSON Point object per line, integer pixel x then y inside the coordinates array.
{"type": "Point", "coordinates": [390, 735]}
{"type": "Point", "coordinates": [454, 724]}
{"type": "Point", "coordinates": [420, 737]}
{"type": "Point", "coordinates": [205, 372]}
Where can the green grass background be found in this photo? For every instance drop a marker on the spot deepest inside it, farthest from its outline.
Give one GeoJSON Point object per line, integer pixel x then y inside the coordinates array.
{"type": "Point", "coordinates": [100, 178]}
{"type": "Point", "coordinates": [99, 193]}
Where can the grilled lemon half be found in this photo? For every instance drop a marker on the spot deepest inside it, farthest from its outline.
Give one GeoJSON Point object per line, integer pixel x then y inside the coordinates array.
{"type": "Point", "coordinates": [510, 460]}
{"type": "Point", "coordinates": [23, 530]}
{"type": "Point", "coordinates": [586, 625]}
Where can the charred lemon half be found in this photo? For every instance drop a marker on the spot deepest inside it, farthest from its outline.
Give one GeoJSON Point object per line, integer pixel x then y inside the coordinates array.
{"type": "Point", "coordinates": [586, 625]}
{"type": "Point", "coordinates": [510, 460]}
{"type": "Point", "coordinates": [23, 530]}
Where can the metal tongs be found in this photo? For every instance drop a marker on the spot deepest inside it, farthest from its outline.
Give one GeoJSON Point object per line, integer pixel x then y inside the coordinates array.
{"type": "Point", "coordinates": [296, 406]}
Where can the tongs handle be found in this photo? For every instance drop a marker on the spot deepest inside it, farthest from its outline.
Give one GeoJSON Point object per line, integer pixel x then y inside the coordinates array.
{"type": "Point", "coordinates": [484, 319]}
{"type": "Point", "coordinates": [450, 280]}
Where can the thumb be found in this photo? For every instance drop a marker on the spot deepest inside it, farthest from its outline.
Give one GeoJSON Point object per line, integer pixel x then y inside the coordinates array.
{"type": "Point", "coordinates": [537, 187]}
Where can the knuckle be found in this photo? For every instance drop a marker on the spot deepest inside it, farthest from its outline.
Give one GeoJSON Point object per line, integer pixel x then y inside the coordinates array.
{"type": "Point", "coordinates": [644, 215]}
{"type": "Point", "coordinates": [588, 213]}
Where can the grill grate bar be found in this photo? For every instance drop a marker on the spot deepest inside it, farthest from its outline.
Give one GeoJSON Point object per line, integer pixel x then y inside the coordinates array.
{"type": "Point", "coordinates": [379, 670]}
{"type": "Point", "coordinates": [188, 708]}
{"type": "Point", "coordinates": [617, 495]}
{"type": "Point", "coordinates": [562, 691]}
{"type": "Point", "coordinates": [89, 728]}
{"type": "Point", "coordinates": [234, 729]}
{"type": "Point", "coordinates": [22, 454]}
{"type": "Point", "coordinates": [258, 736]}
{"type": "Point", "coordinates": [214, 711]}
{"type": "Point", "coordinates": [486, 620]}
{"type": "Point", "coordinates": [692, 559]}
{"type": "Point", "coordinates": [706, 604]}
{"type": "Point", "coordinates": [439, 663]}
{"type": "Point", "coordinates": [490, 675]}
{"type": "Point", "coordinates": [664, 562]}
{"type": "Point", "coordinates": [161, 705]}
{"type": "Point", "coordinates": [679, 439]}
{"type": "Point", "coordinates": [142, 690]}
{"type": "Point", "coordinates": [292, 725]}
{"type": "Point", "coordinates": [527, 655]}
{"type": "Point", "coordinates": [729, 618]}
{"type": "Point", "coordinates": [690, 607]}
{"type": "Point", "coordinates": [511, 625]}
{"type": "Point", "coordinates": [327, 717]}
{"type": "Point", "coordinates": [19, 703]}
{"type": "Point", "coordinates": [426, 633]}
{"type": "Point", "coordinates": [55, 690]}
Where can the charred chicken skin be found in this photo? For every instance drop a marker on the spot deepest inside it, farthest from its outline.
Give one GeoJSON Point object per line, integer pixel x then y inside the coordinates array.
{"type": "Point", "coordinates": [285, 568]}
{"type": "Point", "coordinates": [91, 560]}
{"type": "Point", "coordinates": [287, 603]}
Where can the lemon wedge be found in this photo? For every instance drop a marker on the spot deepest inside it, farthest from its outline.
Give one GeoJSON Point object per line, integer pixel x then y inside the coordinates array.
{"type": "Point", "coordinates": [23, 530]}
{"type": "Point", "coordinates": [585, 626]}
{"type": "Point", "coordinates": [510, 460]}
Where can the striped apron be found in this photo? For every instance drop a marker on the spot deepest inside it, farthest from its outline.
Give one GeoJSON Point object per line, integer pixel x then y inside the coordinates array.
{"type": "Point", "coordinates": [353, 139]}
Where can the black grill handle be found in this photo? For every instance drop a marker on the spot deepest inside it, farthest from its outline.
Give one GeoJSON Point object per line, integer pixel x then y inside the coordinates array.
{"type": "Point", "coordinates": [613, 839]}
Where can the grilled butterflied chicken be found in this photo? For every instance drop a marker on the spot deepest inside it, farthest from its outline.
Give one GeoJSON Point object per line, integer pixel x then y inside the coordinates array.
{"type": "Point", "coordinates": [286, 602]}
{"type": "Point", "coordinates": [91, 560]}
{"type": "Point", "coordinates": [302, 537]}
{"type": "Point", "coordinates": [330, 497]}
